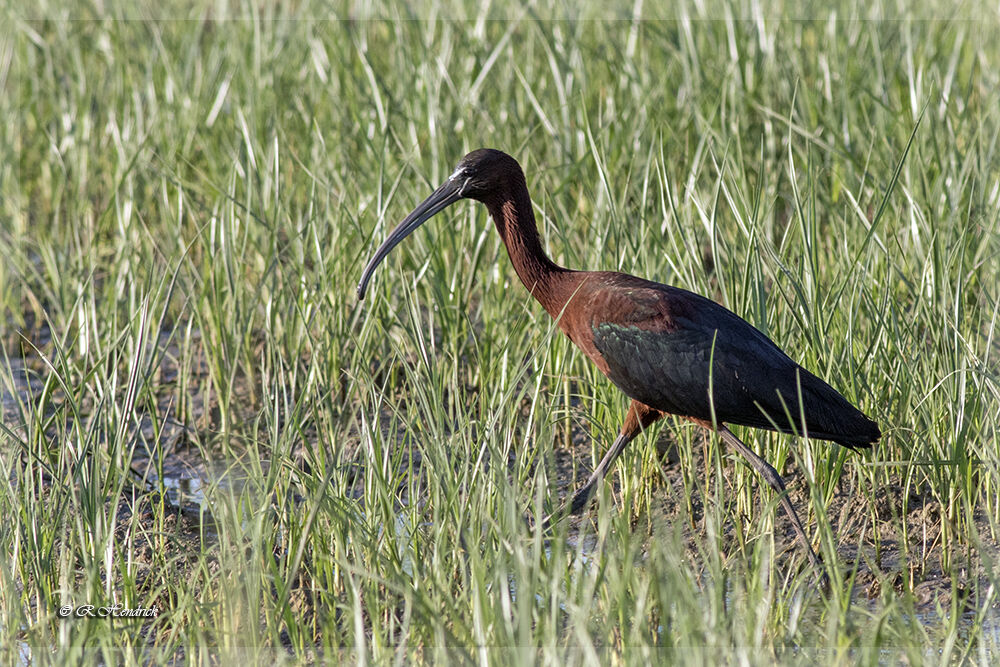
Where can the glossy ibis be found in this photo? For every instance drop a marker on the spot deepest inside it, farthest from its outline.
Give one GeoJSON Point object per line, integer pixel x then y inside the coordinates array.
{"type": "Point", "coordinates": [671, 351]}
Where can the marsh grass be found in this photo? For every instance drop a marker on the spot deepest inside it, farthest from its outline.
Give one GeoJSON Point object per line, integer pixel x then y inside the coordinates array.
{"type": "Point", "coordinates": [188, 196]}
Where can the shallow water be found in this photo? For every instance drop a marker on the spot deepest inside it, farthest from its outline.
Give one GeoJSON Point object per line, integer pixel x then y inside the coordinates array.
{"type": "Point", "coordinates": [20, 391]}
{"type": "Point", "coordinates": [188, 482]}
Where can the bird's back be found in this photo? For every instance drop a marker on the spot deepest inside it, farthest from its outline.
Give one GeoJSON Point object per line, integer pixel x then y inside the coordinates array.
{"type": "Point", "coordinates": [684, 354]}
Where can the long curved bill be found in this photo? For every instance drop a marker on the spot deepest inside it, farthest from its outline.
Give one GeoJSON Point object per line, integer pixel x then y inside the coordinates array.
{"type": "Point", "coordinates": [442, 198]}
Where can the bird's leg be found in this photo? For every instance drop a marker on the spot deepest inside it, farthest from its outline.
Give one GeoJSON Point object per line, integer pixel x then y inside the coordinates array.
{"type": "Point", "coordinates": [583, 494]}
{"type": "Point", "coordinates": [771, 476]}
{"type": "Point", "coordinates": [638, 418]}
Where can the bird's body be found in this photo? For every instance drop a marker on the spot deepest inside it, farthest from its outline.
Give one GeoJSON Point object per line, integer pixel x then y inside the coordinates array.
{"type": "Point", "coordinates": [671, 351]}
{"type": "Point", "coordinates": [679, 353]}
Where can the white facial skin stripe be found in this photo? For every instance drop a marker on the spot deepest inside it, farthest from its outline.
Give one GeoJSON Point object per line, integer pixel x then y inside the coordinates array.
{"type": "Point", "coordinates": [455, 174]}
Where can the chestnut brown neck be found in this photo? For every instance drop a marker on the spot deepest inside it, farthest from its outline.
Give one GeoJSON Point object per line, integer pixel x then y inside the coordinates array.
{"type": "Point", "coordinates": [512, 213]}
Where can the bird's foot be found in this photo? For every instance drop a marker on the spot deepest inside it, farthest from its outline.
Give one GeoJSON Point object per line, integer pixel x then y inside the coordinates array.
{"type": "Point", "coordinates": [572, 508]}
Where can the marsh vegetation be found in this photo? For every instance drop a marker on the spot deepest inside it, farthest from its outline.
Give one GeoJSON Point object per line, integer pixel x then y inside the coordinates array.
{"type": "Point", "coordinates": [187, 196]}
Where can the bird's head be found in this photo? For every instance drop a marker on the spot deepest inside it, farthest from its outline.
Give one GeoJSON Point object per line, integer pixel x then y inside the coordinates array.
{"type": "Point", "coordinates": [479, 175]}
{"type": "Point", "coordinates": [484, 172]}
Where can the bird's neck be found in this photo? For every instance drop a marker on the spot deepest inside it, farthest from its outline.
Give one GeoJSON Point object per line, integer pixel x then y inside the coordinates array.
{"type": "Point", "coordinates": [512, 212]}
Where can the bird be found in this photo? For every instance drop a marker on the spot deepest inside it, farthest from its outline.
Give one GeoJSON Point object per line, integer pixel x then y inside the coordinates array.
{"type": "Point", "coordinates": [671, 351]}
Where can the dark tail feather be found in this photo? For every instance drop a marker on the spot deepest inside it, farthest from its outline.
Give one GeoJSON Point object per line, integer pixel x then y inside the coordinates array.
{"type": "Point", "coordinates": [863, 439]}
{"type": "Point", "coordinates": [832, 417]}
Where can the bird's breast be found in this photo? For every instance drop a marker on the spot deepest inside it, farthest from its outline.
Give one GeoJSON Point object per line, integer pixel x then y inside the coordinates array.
{"type": "Point", "coordinates": [581, 334]}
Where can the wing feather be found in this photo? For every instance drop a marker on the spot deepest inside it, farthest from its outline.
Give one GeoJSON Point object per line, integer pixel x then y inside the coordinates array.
{"type": "Point", "coordinates": [684, 354]}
